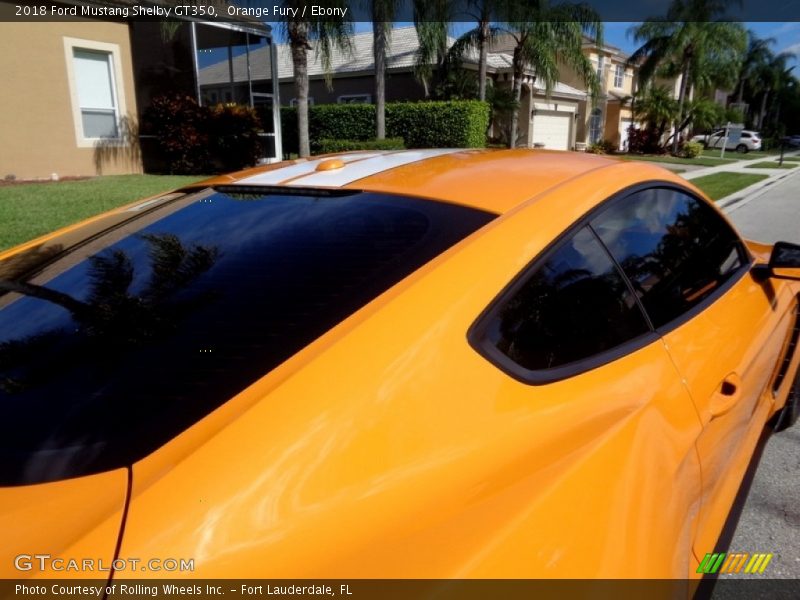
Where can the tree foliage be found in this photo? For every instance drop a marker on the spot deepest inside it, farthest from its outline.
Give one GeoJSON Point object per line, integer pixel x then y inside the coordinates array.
{"type": "Point", "coordinates": [326, 35]}
{"type": "Point", "coordinates": [693, 43]}
{"type": "Point", "coordinates": [545, 36]}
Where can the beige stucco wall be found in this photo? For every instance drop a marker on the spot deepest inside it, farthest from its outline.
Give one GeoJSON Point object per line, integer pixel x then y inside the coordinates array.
{"type": "Point", "coordinates": [611, 132]}
{"type": "Point", "coordinates": [37, 124]}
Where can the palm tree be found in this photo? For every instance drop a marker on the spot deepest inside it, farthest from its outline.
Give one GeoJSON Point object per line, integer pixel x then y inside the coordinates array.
{"type": "Point", "coordinates": [758, 54]}
{"type": "Point", "coordinates": [656, 107]}
{"type": "Point", "coordinates": [683, 43]}
{"type": "Point", "coordinates": [112, 318]}
{"type": "Point", "coordinates": [769, 77]}
{"type": "Point", "coordinates": [431, 20]}
{"type": "Point", "coordinates": [702, 114]}
{"type": "Point", "coordinates": [478, 38]}
{"type": "Point", "coordinates": [383, 12]}
{"type": "Point", "coordinates": [545, 35]}
{"type": "Point", "coordinates": [326, 35]}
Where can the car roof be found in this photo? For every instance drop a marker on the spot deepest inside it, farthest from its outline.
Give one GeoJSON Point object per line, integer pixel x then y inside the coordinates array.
{"type": "Point", "coordinates": [490, 180]}
{"type": "Point", "coordinates": [494, 181]}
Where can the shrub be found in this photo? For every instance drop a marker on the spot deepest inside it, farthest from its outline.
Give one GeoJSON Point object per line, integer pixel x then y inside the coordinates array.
{"type": "Point", "coordinates": [602, 147]}
{"type": "Point", "coordinates": [233, 132]}
{"type": "Point", "coordinates": [328, 122]}
{"type": "Point", "coordinates": [341, 122]}
{"type": "Point", "coordinates": [455, 124]}
{"type": "Point", "coordinates": [195, 139]}
{"type": "Point", "coordinates": [181, 126]}
{"type": "Point", "coordinates": [451, 124]}
{"type": "Point", "coordinates": [328, 146]}
{"type": "Point", "coordinates": [691, 149]}
{"type": "Point", "coordinates": [644, 141]}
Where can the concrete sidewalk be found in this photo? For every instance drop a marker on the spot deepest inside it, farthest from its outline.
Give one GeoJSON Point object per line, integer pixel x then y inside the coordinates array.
{"type": "Point", "coordinates": [741, 166]}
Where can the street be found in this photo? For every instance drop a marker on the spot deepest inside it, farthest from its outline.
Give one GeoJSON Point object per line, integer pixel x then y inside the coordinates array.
{"type": "Point", "coordinates": [770, 514]}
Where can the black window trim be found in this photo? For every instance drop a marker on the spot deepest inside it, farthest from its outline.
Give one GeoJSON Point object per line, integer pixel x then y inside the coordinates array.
{"type": "Point", "coordinates": [477, 333]}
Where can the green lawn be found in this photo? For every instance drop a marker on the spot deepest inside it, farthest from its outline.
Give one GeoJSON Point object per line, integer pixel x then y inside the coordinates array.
{"type": "Point", "coordinates": [701, 161]}
{"type": "Point", "coordinates": [771, 165]}
{"type": "Point", "coordinates": [789, 158]}
{"type": "Point", "coordinates": [719, 185]}
{"type": "Point", "coordinates": [28, 210]}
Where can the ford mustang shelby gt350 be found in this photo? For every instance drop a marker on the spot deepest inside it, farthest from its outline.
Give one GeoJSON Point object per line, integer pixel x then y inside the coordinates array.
{"type": "Point", "coordinates": [427, 364]}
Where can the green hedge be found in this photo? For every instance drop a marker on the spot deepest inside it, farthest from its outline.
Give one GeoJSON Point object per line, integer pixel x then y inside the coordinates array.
{"type": "Point", "coordinates": [451, 124]}
{"type": "Point", "coordinates": [328, 146]}
{"type": "Point", "coordinates": [342, 122]}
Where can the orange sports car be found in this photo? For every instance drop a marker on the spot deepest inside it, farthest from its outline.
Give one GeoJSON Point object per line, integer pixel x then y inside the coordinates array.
{"type": "Point", "coordinates": [415, 364]}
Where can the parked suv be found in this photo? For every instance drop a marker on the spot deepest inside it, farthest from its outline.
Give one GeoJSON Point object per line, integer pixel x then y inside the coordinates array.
{"type": "Point", "coordinates": [750, 140]}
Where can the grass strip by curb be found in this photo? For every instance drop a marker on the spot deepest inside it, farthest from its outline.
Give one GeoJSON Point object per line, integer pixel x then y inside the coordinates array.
{"type": "Point", "coordinates": [719, 185]}
{"type": "Point", "coordinates": [770, 165]}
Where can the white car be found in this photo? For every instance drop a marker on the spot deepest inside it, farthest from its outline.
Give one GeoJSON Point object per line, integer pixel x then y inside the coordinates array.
{"type": "Point", "coordinates": [750, 140]}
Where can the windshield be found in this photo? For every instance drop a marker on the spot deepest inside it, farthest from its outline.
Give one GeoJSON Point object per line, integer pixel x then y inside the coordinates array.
{"type": "Point", "coordinates": [106, 356]}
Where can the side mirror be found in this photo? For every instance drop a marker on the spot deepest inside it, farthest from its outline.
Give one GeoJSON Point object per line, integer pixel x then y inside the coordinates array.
{"type": "Point", "coordinates": [784, 262]}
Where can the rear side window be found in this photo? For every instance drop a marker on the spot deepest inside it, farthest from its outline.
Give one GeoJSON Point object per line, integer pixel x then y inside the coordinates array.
{"type": "Point", "coordinates": [118, 352]}
{"type": "Point", "coordinates": [675, 249]}
{"type": "Point", "coordinates": [574, 305]}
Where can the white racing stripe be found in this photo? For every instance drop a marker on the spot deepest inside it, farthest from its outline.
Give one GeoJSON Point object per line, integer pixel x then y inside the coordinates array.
{"type": "Point", "coordinates": [357, 166]}
{"type": "Point", "coordinates": [279, 176]}
{"type": "Point", "coordinates": [365, 168]}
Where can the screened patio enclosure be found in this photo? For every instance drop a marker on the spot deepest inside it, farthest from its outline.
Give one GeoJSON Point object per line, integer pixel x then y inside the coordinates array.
{"type": "Point", "coordinates": [229, 66]}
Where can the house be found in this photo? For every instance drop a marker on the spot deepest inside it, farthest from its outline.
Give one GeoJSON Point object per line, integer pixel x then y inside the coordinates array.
{"type": "Point", "coordinates": [611, 116]}
{"type": "Point", "coordinates": [68, 86]}
{"type": "Point", "coordinates": [546, 120]}
{"type": "Point", "coordinates": [352, 73]}
{"type": "Point", "coordinates": [563, 119]}
{"type": "Point", "coordinates": [75, 90]}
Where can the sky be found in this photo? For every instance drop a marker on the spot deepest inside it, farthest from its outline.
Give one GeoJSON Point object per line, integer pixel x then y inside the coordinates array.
{"type": "Point", "coordinates": [787, 36]}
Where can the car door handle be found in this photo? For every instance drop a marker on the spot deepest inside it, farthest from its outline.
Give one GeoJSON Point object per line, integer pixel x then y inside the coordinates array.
{"type": "Point", "coordinates": [726, 396]}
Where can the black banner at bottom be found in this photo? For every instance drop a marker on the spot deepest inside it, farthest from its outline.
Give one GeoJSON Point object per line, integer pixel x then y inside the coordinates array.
{"type": "Point", "coordinates": [399, 589]}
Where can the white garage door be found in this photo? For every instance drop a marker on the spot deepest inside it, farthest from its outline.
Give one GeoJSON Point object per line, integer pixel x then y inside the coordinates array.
{"type": "Point", "coordinates": [624, 124]}
{"type": "Point", "coordinates": [552, 130]}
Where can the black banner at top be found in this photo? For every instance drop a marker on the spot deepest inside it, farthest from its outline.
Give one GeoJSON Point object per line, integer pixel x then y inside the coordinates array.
{"type": "Point", "coordinates": [274, 11]}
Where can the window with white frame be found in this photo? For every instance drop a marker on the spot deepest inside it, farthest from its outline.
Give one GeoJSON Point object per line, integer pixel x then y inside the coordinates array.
{"type": "Point", "coordinates": [619, 76]}
{"type": "Point", "coordinates": [600, 65]}
{"type": "Point", "coordinates": [354, 99]}
{"type": "Point", "coordinates": [595, 126]}
{"type": "Point", "coordinates": [98, 105]}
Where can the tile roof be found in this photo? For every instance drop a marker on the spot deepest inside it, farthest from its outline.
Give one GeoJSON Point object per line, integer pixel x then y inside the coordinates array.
{"type": "Point", "coordinates": [402, 49]}
{"type": "Point", "coordinates": [403, 45]}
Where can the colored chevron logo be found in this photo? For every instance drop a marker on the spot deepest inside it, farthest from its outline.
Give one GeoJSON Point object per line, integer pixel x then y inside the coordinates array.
{"type": "Point", "coordinates": [734, 562]}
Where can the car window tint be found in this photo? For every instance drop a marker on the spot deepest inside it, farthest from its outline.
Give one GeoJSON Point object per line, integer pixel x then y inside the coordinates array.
{"type": "Point", "coordinates": [675, 249]}
{"type": "Point", "coordinates": [745, 134]}
{"type": "Point", "coordinates": [574, 305]}
{"type": "Point", "coordinates": [121, 351]}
